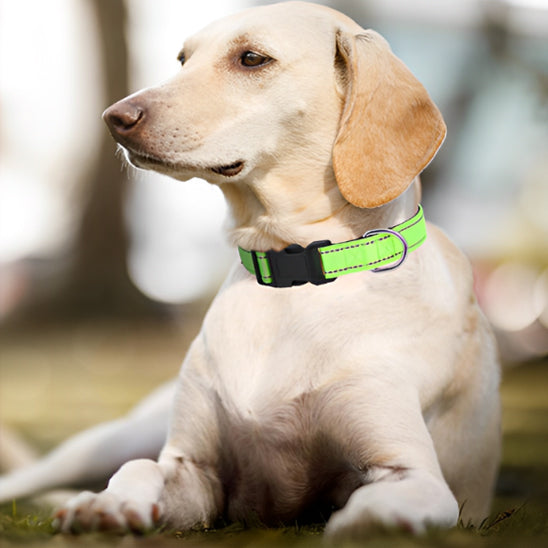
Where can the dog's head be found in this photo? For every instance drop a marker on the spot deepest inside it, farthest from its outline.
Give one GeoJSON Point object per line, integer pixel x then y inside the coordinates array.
{"type": "Point", "coordinates": [290, 86]}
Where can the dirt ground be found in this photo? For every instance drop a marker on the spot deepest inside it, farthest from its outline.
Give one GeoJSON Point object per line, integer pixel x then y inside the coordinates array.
{"type": "Point", "coordinates": [56, 381]}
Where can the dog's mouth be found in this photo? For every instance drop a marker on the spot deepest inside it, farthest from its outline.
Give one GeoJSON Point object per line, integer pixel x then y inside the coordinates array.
{"type": "Point", "coordinates": [230, 170]}
{"type": "Point", "coordinates": [138, 159]}
{"type": "Point", "coordinates": [146, 160]}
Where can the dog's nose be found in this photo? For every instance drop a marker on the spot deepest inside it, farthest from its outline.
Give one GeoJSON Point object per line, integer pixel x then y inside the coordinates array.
{"type": "Point", "coordinates": [123, 117]}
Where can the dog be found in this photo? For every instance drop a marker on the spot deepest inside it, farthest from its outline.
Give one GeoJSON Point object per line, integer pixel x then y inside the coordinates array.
{"type": "Point", "coordinates": [344, 365]}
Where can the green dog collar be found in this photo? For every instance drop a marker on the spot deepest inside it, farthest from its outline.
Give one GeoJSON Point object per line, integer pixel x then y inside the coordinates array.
{"type": "Point", "coordinates": [322, 262]}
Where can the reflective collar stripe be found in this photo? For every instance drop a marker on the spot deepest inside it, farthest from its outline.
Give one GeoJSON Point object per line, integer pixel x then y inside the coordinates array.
{"type": "Point", "coordinates": [378, 250]}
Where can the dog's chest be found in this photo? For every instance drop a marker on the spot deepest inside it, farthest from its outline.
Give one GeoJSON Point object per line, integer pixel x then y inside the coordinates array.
{"type": "Point", "coordinates": [262, 341]}
{"type": "Point", "coordinates": [279, 464]}
{"type": "Point", "coordinates": [272, 358]}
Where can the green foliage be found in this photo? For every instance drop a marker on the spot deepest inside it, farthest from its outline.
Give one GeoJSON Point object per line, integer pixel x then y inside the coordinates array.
{"type": "Point", "coordinates": [24, 523]}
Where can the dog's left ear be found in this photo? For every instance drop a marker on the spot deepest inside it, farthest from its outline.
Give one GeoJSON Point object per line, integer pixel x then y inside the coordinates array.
{"type": "Point", "coordinates": [389, 130]}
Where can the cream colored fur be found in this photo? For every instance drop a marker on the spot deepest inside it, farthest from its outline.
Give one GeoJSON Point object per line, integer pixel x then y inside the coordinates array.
{"type": "Point", "coordinates": [377, 394]}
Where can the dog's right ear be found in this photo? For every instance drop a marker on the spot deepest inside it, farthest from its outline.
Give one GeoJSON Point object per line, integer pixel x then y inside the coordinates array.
{"type": "Point", "coordinates": [389, 130]}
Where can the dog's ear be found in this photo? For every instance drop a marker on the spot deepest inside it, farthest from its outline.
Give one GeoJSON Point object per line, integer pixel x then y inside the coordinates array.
{"type": "Point", "coordinates": [389, 130]}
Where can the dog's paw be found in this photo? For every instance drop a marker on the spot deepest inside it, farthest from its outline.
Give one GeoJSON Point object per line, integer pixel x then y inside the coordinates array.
{"type": "Point", "coordinates": [393, 506]}
{"type": "Point", "coordinates": [347, 525]}
{"type": "Point", "coordinates": [105, 512]}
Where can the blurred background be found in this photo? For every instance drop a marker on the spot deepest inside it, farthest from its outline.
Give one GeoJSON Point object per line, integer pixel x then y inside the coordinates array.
{"type": "Point", "coordinates": [97, 304]}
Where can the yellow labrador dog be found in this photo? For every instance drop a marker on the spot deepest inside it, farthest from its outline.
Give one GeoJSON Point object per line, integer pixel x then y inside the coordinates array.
{"type": "Point", "coordinates": [344, 364]}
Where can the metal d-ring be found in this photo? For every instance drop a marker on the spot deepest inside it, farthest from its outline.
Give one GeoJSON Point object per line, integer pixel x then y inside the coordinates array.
{"type": "Point", "coordinates": [402, 240]}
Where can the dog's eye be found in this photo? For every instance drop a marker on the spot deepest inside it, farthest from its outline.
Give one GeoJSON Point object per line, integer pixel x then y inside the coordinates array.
{"type": "Point", "coordinates": [252, 59]}
{"type": "Point", "coordinates": [181, 58]}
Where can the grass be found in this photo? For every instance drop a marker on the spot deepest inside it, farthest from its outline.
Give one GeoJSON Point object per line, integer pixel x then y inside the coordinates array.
{"type": "Point", "coordinates": [517, 527]}
{"type": "Point", "coordinates": [89, 373]}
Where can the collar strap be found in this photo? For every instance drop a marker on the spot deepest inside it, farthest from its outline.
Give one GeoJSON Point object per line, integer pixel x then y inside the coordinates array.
{"type": "Point", "coordinates": [322, 262]}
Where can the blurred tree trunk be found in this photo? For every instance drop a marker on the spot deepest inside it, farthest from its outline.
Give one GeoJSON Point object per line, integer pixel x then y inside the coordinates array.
{"type": "Point", "coordinates": [95, 282]}
{"type": "Point", "coordinates": [99, 282]}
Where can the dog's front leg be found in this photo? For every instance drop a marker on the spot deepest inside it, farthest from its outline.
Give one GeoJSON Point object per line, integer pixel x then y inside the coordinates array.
{"type": "Point", "coordinates": [182, 489]}
{"type": "Point", "coordinates": [142, 494]}
{"type": "Point", "coordinates": [404, 488]}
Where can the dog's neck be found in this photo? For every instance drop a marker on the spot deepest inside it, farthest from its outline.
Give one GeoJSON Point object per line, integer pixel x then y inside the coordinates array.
{"type": "Point", "coordinates": [273, 213]}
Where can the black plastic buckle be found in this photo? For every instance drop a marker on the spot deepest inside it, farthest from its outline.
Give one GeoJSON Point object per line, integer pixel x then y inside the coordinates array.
{"type": "Point", "coordinates": [294, 265]}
